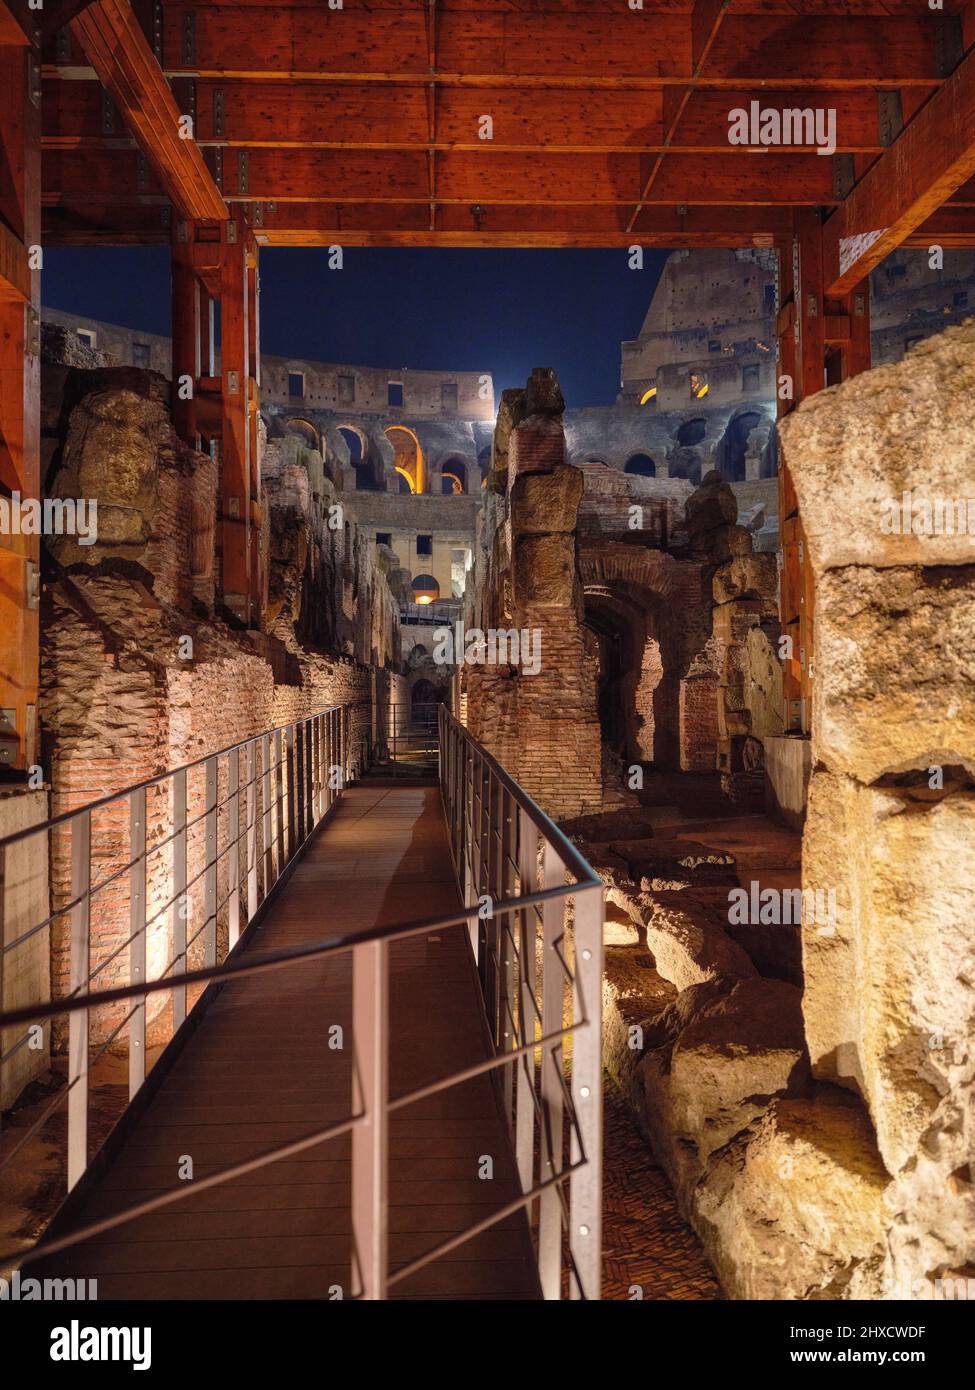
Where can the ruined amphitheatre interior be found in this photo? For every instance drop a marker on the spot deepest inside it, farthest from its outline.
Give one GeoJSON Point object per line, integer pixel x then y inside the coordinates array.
{"type": "Point", "coordinates": [358, 654]}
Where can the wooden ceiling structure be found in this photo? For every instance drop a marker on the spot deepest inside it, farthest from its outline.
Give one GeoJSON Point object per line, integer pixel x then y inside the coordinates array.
{"type": "Point", "coordinates": [219, 127]}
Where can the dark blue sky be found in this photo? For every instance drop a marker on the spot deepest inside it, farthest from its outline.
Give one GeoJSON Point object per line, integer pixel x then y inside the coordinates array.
{"type": "Point", "coordinates": [466, 310]}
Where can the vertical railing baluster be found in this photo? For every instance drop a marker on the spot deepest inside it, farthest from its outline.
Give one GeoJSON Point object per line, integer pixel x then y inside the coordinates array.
{"type": "Point", "coordinates": [525, 1090]}
{"type": "Point", "coordinates": [298, 781]}
{"type": "Point", "coordinates": [289, 740]}
{"type": "Point", "coordinates": [233, 847]}
{"type": "Point", "coordinates": [553, 995]}
{"type": "Point", "coordinates": [586, 1190]}
{"type": "Point", "coordinates": [370, 1137]}
{"type": "Point", "coordinates": [210, 864]}
{"type": "Point", "coordinates": [280, 769]}
{"type": "Point", "coordinates": [137, 936]}
{"type": "Point", "coordinates": [507, 929]}
{"type": "Point", "coordinates": [250, 814]}
{"type": "Point", "coordinates": [80, 928]}
{"type": "Point", "coordinates": [307, 739]}
{"type": "Point", "coordinates": [180, 900]}
{"type": "Point", "coordinates": [266, 814]}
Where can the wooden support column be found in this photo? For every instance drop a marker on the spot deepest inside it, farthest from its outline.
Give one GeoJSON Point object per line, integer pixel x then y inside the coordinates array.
{"type": "Point", "coordinates": [187, 335]}
{"type": "Point", "coordinates": [20, 390]}
{"type": "Point", "coordinates": [258, 560]}
{"type": "Point", "coordinates": [235, 424]}
{"type": "Point", "coordinates": [821, 341]}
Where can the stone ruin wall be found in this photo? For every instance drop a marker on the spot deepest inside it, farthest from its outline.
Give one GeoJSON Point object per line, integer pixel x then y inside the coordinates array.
{"type": "Point", "coordinates": [543, 728]}
{"type": "Point", "coordinates": [704, 686]}
{"type": "Point", "coordinates": [889, 1002]}
{"type": "Point", "coordinates": [817, 1125]}
{"type": "Point", "coordinates": [139, 671]}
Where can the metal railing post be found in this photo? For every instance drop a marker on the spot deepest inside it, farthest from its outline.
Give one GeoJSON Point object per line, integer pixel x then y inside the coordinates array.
{"type": "Point", "coordinates": [180, 900]}
{"type": "Point", "coordinates": [278, 803]}
{"type": "Point", "coordinates": [137, 936]}
{"type": "Point", "coordinates": [550, 1090]}
{"type": "Point", "coordinates": [586, 1183]}
{"type": "Point", "coordinates": [308, 731]}
{"type": "Point", "coordinates": [525, 1089]}
{"type": "Point", "coordinates": [298, 744]}
{"type": "Point", "coordinates": [233, 847]}
{"type": "Point", "coordinates": [266, 830]}
{"type": "Point", "coordinates": [210, 862]}
{"type": "Point", "coordinates": [370, 1138]}
{"type": "Point", "coordinates": [250, 814]}
{"type": "Point", "coordinates": [506, 931]}
{"type": "Point", "coordinates": [289, 743]}
{"type": "Point", "coordinates": [78, 1022]}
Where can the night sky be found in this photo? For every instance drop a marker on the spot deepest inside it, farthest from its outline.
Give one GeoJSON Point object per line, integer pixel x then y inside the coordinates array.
{"type": "Point", "coordinates": [462, 310]}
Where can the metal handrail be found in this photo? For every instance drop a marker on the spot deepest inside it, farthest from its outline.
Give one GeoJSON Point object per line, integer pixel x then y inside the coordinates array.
{"type": "Point", "coordinates": [462, 762]}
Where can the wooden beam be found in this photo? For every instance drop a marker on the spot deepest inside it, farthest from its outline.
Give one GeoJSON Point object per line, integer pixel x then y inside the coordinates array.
{"type": "Point", "coordinates": [127, 68]}
{"type": "Point", "coordinates": [20, 397]}
{"type": "Point", "coordinates": [235, 451]}
{"type": "Point", "coordinates": [15, 275]}
{"type": "Point", "coordinates": [485, 176]}
{"type": "Point", "coordinates": [932, 158]}
{"type": "Point", "coordinates": [592, 47]}
{"type": "Point", "coordinates": [432, 95]}
{"type": "Point", "coordinates": [362, 224]}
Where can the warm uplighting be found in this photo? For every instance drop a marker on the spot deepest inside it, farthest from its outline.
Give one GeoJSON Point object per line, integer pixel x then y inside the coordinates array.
{"type": "Point", "coordinates": [425, 589]}
{"type": "Point", "coordinates": [648, 395]}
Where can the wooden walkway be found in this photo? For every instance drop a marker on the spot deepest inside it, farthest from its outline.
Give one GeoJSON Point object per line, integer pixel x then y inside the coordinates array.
{"type": "Point", "coordinates": [259, 1071]}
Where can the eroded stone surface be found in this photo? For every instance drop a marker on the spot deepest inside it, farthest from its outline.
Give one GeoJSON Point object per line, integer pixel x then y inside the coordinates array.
{"type": "Point", "coordinates": [908, 427]}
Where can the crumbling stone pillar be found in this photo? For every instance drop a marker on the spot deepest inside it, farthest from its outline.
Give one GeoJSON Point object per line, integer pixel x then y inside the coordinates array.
{"type": "Point", "coordinates": [743, 589]}
{"type": "Point", "coordinates": [543, 725]}
{"type": "Point", "coordinates": [890, 988]}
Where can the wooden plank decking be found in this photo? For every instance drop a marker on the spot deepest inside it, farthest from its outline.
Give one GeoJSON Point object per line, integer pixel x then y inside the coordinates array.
{"type": "Point", "coordinates": [259, 1071]}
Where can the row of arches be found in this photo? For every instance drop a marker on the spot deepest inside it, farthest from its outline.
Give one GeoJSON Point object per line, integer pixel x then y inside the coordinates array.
{"type": "Point", "coordinates": [409, 459]}
{"type": "Point", "coordinates": [685, 458]}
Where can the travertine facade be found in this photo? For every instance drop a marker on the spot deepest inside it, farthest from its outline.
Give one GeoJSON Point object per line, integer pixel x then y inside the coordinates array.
{"type": "Point", "coordinates": [889, 1001]}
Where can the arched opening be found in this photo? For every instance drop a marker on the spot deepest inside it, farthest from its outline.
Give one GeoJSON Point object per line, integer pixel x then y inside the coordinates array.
{"type": "Point", "coordinates": [692, 432]}
{"type": "Point", "coordinates": [405, 481]}
{"type": "Point", "coordinates": [305, 431]}
{"type": "Point", "coordinates": [454, 476]}
{"type": "Point", "coordinates": [356, 443]}
{"type": "Point", "coordinates": [425, 589]}
{"type": "Point", "coordinates": [424, 699]}
{"type": "Point", "coordinates": [641, 465]}
{"type": "Point", "coordinates": [637, 688]}
{"type": "Point", "coordinates": [731, 451]}
{"type": "Point", "coordinates": [409, 461]}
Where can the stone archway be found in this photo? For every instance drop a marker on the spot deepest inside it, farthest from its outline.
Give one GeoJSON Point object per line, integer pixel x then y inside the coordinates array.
{"type": "Point", "coordinates": [410, 463]}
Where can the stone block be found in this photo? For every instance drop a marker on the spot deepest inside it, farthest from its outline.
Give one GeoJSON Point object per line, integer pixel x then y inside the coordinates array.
{"type": "Point", "coordinates": [736, 1053]}
{"type": "Point", "coordinates": [890, 995]}
{"type": "Point", "coordinates": [894, 669]}
{"type": "Point", "coordinates": [545, 571]}
{"type": "Point", "coordinates": [796, 1210]}
{"type": "Point", "coordinates": [904, 428]}
{"type": "Point", "coordinates": [543, 503]}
